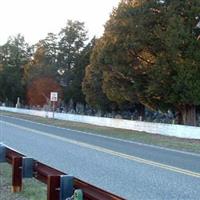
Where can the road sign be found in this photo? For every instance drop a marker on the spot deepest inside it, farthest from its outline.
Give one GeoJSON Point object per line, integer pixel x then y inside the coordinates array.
{"type": "Point", "coordinates": [54, 96]}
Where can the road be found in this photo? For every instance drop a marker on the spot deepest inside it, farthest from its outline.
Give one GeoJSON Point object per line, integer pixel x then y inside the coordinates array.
{"type": "Point", "coordinates": [131, 170]}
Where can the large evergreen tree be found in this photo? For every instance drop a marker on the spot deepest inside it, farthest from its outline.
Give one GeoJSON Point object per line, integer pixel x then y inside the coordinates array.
{"type": "Point", "coordinates": [150, 54]}
{"type": "Point", "coordinates": [92, 82]}
{"type": "Point", "coordinates": [174, 78]}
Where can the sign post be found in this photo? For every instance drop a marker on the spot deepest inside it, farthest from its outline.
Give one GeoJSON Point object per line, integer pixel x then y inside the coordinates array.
{"type": "Point", "coordinates": [54, 98]}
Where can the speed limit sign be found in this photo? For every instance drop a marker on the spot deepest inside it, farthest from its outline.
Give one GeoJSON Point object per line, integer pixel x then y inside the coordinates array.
{"type": "Point", "coordinates": [54, 96]}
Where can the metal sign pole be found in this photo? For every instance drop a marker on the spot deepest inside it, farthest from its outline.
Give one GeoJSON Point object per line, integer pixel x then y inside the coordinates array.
{"type": "Point", "coordinates": [53, 98]}
{"type": "Point", "coordinates": [53, 108]}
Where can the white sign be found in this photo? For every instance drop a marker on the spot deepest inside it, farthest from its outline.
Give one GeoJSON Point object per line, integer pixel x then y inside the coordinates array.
{"type": "Point", "coordinates": [54, 96]}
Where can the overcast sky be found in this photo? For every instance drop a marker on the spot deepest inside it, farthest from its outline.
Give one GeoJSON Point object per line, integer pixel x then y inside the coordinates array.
{"type": "Point", "coordinates": [35, 18]}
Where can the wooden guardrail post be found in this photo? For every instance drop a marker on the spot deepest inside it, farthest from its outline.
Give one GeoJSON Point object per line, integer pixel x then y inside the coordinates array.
{"type": "Point", "coordinates": [53, 188]}
{"type": "Point", "coordinates": [16, 174]}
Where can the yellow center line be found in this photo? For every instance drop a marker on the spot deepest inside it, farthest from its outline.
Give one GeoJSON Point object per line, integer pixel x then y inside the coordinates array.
{"type": "Point", "coordinates": [110, 152]}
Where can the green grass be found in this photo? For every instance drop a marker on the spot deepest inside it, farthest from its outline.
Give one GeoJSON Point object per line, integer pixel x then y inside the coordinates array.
{"type": "Point", "coordinates": [32, 189]}
{"type": "Point", "coordinates": [153, 139]}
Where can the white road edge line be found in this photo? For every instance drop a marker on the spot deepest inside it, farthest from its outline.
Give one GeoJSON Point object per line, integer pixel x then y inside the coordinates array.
{"type": "Point", "coordinates": [109, 137]}
{"type": "Point", "coordinates": [110, 152]}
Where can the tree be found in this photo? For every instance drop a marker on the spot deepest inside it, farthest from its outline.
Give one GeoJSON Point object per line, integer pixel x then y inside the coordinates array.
{"type": "Point", "coordinates": [43, 62]}
{"type": "Point", "coordinates": [14, 55]}
{"type": "Point", "coordinates": [71, 47]}
{"type": "Point", "coordinates": [38, 92]}
{"type": "Point", "coordinates": [11, 86]}
{"type": "Point", "coordinates": [75, 90]}
{"type": "Point", "coordinates": [50, 48]}
{"type": "Point", "coordinates": [15, 52]}
{"type": "Point", "coordinates": [41, 72]}
{"type": "Point", "coordinates": [174, 79]}
{"type": "Point", "coordinates": [92, 82]}
{"type": "Point", "coordinates": [182, 50]}
{"type": "Point", "coordinates": [118, 63]}
{"type": "Point", "coordinates": [150, 54]}
{"type": "Point", "coordinates": [92, 88]}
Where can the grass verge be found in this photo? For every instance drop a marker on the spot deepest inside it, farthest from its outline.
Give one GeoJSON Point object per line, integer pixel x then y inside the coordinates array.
{"type": "Point", "coordinates": [32, 189]}
{"type": "Point", "coordinates": [136, 136]}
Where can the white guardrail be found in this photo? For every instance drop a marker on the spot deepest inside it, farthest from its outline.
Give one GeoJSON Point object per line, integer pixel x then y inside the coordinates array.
{"type": "Point", "coordinates": [181, 131]}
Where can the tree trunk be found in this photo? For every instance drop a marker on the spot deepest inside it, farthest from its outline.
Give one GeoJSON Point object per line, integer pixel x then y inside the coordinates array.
{"type": "Point", "coordinates": [188, 115]}
{"type": "Point", "coordinates": [141, 111]}
{"type": "Point", "coordinates": [84, 108]}
{"type": "Point", "coordinates": [179, 118]}
{"type": "Point", "coordinates": [74, 106]}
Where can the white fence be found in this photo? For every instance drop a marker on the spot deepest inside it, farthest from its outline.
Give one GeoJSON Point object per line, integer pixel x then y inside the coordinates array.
{"type": "Point", "coordinates": [155, 128]}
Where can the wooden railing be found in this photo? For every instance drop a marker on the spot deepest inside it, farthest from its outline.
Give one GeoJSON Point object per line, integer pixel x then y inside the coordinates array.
{"type": "Point", "coordinates": [60, 186]}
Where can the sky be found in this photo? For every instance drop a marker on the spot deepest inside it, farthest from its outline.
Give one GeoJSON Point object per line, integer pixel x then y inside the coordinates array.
{"type": "Point", "coordinates": [35, 18]}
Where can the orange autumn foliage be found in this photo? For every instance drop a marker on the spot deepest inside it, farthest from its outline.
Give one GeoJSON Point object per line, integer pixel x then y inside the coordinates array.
{"type": "Point", "coordinates": [38, 92]}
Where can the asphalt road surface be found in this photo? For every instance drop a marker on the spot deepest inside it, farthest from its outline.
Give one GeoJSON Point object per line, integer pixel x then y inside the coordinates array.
{"type": "Point", "coordinates": [131, 170]}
